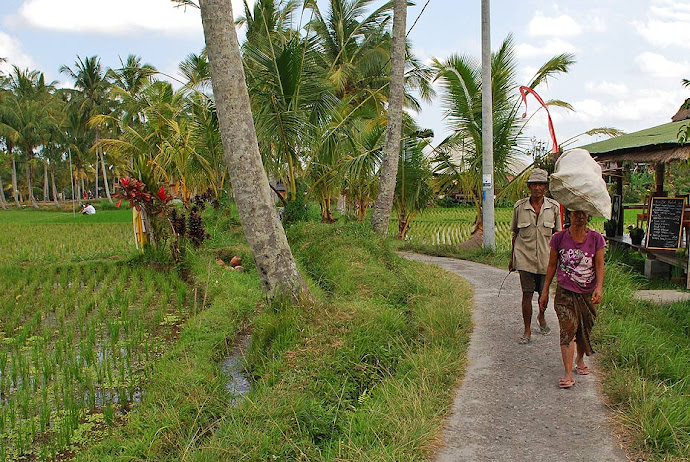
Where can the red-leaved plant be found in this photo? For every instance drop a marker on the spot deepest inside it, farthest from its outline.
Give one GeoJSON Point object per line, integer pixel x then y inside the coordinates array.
{"type": "Point", "coordinates": [132, 190]}
{"type": "Point", "coordinates": [156, 207]}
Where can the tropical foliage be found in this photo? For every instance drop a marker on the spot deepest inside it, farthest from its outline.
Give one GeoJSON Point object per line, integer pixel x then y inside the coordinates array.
{"type": "Point", "coordinates": [318, 80]}
{"type": "Point", "coordinates": [318, 84]}
{"type": "Point", "coordinates": [460, 79]}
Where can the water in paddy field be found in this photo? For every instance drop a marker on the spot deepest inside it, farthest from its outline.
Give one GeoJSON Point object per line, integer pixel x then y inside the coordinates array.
{"type": "Point", "coordinates": [232, 366]}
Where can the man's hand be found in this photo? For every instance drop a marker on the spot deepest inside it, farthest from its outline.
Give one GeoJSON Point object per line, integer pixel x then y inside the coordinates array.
{"type": "Point", "coordinates": [510, 265]}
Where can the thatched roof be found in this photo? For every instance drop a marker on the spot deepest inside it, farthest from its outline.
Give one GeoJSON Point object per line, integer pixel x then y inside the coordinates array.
{"type": "Point", "coordinates": [655, 144]}
{"type": "Point", "coordinates": [683, 113]}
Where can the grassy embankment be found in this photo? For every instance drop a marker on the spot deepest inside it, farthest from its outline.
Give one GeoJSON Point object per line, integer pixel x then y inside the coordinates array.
{"type": "Point", "coordinates": [645, 348]}
{"type": "Point", "coordinates": [365, 372]}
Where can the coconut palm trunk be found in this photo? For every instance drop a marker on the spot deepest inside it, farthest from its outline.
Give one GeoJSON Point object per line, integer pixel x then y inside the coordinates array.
{"type": "Point", "coordinates": [52, 179]}
{"type": "Point", "coordinates": [3, 203]}
{"type": "Point", "coordinates": [274, 261]}
{"type": "Point", "coordinates": [15, 192]}
{"type": "Point", "coordinates": [391, 152]}
{"type": "Point", "coordinates": [29, 185]}
{"type": "Point", "coordinates": [46, 190]}
{"type": "Point", "coordinates": [105, 176]}
{"type": "Point", "coordinates": [99, 155]}
{"type": "Point", "coordinates": [95, 193]}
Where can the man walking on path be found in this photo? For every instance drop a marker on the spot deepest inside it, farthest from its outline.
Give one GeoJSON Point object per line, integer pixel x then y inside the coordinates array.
{"type": "Point", "coordinates": [535, 219]}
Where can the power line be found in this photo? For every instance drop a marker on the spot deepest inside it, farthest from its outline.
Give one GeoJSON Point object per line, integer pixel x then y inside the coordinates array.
{"type": "Point", "coordinates": [418, 16]}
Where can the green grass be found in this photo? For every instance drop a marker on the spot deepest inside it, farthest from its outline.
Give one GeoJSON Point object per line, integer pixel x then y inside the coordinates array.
{"type": "Point", "coordinates": [646, 353]}
{"type": "Point", "coordinates": [364, 371]}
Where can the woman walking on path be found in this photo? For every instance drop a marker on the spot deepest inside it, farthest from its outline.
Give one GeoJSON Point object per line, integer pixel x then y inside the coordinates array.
{"type": "Point", "coordinates": [577, 258]}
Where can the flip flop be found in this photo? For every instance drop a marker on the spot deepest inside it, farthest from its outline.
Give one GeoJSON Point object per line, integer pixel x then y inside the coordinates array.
{"type": "Point", "coordinates": [565, 383]}
{"type": "Point", "coordinates": [524, 340]}
{"type": "Point", "coordinates": [584, 370]}
{"type": "Point", "coordinates": [545, 329]}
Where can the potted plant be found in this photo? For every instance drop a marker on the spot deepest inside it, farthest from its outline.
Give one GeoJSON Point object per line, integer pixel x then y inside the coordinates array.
{"type": "Point", "coordinates": [611, 228]}
{"type": "Point", "coordinates": [636, 234]}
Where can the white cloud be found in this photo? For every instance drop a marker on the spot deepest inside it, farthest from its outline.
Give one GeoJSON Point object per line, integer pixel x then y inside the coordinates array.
{"type": "Point", "coordinates": [589, 109]}
{"type": "Point", "coordinates": [550, 48]}
{"type": "Point", "coordinates": [607, 88]}
{"type": "Point", "coordinates": [641, 106]}
{"type": "Point", "coordinates": [671, 10]}
{"type": "Point", "coordinates": [668, 24]}
{"type": "Point", "coordinates": [558, 26]}
{"type": "Point", "coordinates": [526, 73]}
{"type": "Point", "coordinates": [11, 50]}
{"type": "Point", "coordinates": [597, 24]}
{"type": "Point", "coordinates": [114, 18]}
{"type": "Point", "coordinates": [658, 65]}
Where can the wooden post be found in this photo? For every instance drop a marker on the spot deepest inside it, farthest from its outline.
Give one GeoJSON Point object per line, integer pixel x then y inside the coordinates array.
{"type": "Point", "coordinates": [687, 266]}
{"type": "Point", "coordinates": [659, 169]}
{"type": "Point", "coordinates": [619, 191]}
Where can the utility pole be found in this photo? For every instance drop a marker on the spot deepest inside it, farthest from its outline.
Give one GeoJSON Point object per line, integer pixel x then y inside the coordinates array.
{"type": "Point", "coordinates": [487, 132]}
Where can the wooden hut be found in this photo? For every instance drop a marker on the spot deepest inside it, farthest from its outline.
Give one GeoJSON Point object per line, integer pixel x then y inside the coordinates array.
{"type": "Point", "coordinates": [657, 146]}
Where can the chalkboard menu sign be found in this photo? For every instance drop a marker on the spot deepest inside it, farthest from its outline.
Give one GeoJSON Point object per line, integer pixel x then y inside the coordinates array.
{"type": "Point", "coordinates": [665, 219]}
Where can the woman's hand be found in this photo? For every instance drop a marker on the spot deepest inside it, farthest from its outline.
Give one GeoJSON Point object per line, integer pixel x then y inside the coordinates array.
{"type": "Point", "coordinates": [544, 300]}
{"type": "Point", "coordinates": [596, 296]}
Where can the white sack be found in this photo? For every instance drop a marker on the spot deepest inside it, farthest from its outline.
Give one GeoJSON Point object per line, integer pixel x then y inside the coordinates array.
{"type": "Point", "coordinates": [577, 184]}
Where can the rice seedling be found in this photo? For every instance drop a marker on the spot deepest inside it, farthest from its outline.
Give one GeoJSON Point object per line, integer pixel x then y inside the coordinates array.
{"type": "Point", "coordinates": [75, 332]}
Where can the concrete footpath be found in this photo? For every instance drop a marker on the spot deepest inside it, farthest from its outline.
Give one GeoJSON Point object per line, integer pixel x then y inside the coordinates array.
{"type": "Point", "coordinates": [509, 407]}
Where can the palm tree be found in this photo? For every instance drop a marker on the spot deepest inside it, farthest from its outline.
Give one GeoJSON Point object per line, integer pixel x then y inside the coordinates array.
{"type": "Point", "coordinates": [288, 92]}
{"type": "Point", "coordinates": [127, 82]}
{"type": "Point", "coordinates": [460, 78]}
{"type": "Point", "coordinates": [355, 54]}
{"type": "Point", "coordinates": [8, 137]}
{"type": "Point", "coordinates": [359, 167]}
{"type": "Point", "coordinates": [90, 79]}
{"type": "Point", "coordinates": [26, 116]}
{"type": "Point", "coordinates": [389, 168]}
{"type": "Point", "coordinates": [177, 140]}
{"type": "Point", "coordinates": [195, 69]}
{"type": "Point", "coordinates": [276, 266]}
{"type": "Point", "coordinates": [3, 162]}
{"type": "Point", "coordinates": [413, 191]}
{"type": "Point", "coordinates": [354, 48]}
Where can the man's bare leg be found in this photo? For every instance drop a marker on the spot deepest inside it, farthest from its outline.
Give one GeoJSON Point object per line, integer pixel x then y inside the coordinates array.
{"type": "Point", "coordinates": [527, 313]}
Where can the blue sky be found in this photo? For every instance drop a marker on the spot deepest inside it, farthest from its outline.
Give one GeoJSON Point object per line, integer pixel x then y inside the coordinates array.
{"type": "Point", "coordinates": [631, 54]}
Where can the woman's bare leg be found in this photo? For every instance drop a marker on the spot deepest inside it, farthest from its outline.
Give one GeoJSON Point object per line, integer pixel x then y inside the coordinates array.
{"type": "Point", "coordinates": [580, 358]}
{"type": "Point", "coordinates": [567, 353]}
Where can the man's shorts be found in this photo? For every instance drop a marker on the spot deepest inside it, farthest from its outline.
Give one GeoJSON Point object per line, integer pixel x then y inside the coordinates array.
{"type": "Point", "coordinates": [531, 282]}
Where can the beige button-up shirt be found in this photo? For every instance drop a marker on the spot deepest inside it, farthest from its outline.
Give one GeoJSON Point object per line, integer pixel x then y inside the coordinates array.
{"type": "Point", "coordinates": [533, 233]}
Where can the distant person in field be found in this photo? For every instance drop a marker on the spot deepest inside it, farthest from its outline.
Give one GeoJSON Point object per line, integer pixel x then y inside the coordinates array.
{"type": "Point", "coordinates": [535, 219]}
{"type": "Point", "coordinates": [88, 209]}
{"type": "Point", "coordinates": [577, 258]}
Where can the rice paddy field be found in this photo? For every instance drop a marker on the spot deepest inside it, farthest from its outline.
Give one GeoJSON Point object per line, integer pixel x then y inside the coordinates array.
{"type": "Point", "coordinates": [451, 226]}
{"type": "Point", "coordinates": [79, 327]}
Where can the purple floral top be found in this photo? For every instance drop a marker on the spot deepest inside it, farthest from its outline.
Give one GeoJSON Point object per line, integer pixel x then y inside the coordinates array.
{"type": "Point", "coordinates": [575, 270]}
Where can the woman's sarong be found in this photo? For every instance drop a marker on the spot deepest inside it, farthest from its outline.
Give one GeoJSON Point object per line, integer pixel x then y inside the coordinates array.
{"type": "Point", "coordinates": [576, 314]}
